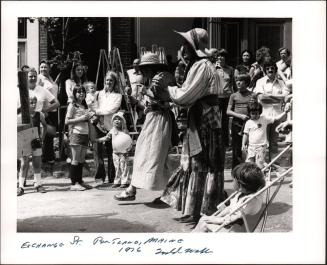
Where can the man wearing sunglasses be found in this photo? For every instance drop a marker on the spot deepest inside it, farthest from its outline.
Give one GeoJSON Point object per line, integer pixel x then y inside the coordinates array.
{"type": "Point", "coordinates": [271, 93]}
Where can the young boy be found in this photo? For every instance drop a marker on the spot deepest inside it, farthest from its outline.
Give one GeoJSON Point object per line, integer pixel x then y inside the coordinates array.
{"type": "Point", "coordinates": [247, 179]}
{"type": "Point", "coordinates": [255, 134]}
{"type": "Point", "coordinates": [237, 108]}
{"type": "Point", "coordinates": [121, 145]}
{"type": "Point", "coordinates": [37, 119]}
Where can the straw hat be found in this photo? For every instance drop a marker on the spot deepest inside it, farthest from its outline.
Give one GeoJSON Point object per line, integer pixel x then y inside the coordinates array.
{"type": "Point", "coordinates": [213, 52]}
{"type": "Point", "coordinates": [149, 59]}
{"type": "Point", "coordinates": [198, 38]}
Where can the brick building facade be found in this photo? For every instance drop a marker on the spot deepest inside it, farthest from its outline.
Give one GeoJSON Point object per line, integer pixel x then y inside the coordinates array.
{"type": "Point", "coordinates": [43, 43]}
{"type": "Point", "coordinates": [129, 34]}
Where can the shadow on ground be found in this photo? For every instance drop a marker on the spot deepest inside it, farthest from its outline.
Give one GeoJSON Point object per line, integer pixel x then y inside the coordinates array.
{"type": "Point", "coordinates": [103, 223]}
{"type": "Point", "coordinates": [277, 208]}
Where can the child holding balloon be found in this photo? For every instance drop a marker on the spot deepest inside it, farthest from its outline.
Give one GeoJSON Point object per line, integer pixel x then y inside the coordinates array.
{"type": "Point", "coordinates": [121, 145]}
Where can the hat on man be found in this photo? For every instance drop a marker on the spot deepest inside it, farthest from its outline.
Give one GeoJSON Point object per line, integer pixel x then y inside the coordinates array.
{"type": "Point", "coordinates": [149, 59]}
{"type": "Point", "coordinates": [198, 38]}
{"type": "Point", "coordinates": [136, 62]}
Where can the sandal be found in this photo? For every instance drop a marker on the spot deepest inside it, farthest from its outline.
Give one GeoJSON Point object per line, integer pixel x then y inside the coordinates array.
{"type": "Point", "coordinates": [124, 196]}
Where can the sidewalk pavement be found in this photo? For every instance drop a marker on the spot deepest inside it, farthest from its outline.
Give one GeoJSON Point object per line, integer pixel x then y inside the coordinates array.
{"type": "Point", "coordinates": [95, 210]}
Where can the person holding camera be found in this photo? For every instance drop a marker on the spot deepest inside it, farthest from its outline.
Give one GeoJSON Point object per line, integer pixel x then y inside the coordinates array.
{"type": "Point", "coordinates": [37, 119]}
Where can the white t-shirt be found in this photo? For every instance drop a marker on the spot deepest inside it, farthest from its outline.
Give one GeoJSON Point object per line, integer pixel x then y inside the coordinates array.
{"type": "Point", "coordinates": [69, 90]}
{"type": "Point", "coordinates": [44, 97]}
{"type": "Point", "coordinates": [75, 111]}
{"type": "Point", "coordinates": [257, 130]}
{"type": "Point", "coordinates": [273, 88]}
{"type": "Point", "coordinates": [91, 101]}
{"type": "Point", "coordinates": [49, 85]}
{"type": "Point", "coordinates": [135, 79]}
{"type": "Point", "coordinates": [108, 104]}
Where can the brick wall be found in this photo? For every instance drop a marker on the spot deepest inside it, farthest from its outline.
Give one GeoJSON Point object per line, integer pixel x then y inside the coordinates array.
{"type": "Point", "coordinates": [122, 37]}
{"type": "Point", "coordinates": [43, 47]}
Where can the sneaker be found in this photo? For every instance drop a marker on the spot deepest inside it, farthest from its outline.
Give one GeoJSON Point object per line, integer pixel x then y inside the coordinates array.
{"type": "Point", "coordinates": [124, 186]}
{"type": "Point", "coordinates": [20, 191]}
{"type": "Point", "coordinates": [124, 196]}
{"type": "Point", "coordinates": [77, 187]}
{"type": "Point", "coordinates": [40, 189]}
{"type": "Point", "coordinates": [86, 186]}
{"type": "Point", "coordinates": [115, 186]}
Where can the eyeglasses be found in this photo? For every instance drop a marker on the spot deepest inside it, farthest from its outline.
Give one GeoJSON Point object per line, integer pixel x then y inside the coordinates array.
{"type": "Point", "coordinates": [80, 91]}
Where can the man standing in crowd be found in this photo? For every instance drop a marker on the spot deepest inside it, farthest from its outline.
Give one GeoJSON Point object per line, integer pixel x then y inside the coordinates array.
{"type": "Point", "coordinates": [271, 92]}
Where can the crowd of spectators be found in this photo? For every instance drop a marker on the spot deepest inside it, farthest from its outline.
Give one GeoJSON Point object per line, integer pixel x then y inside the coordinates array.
{"type": "Point", "coordinates": [201, 89]}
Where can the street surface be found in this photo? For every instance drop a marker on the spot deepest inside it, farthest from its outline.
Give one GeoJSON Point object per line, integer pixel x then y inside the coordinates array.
{"type": "Point", "coordinates": [95, 210]}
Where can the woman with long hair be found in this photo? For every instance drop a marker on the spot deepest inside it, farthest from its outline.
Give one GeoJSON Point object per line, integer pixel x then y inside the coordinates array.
{"type": "Point", "coordinates": [77, 118]}
{"type": "Point", "coordinates": [77, 77]}
{"type": "Point", "coordinates": [108, 103]}
{"type": "Point", "coordinates": [262, 55]}
{"type": "Point", "coordinates": [244, 66]}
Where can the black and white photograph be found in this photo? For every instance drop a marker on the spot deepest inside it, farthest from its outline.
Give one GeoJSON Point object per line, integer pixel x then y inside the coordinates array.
{"type": "Point", "coordinates": [143, 133]}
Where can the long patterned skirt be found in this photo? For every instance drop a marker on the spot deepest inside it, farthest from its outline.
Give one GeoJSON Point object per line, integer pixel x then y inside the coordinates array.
{"type": "Point", "coordinates": [199, 188]}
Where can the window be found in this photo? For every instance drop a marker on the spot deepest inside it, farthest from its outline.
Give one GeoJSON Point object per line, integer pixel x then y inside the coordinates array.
{"type": "Point", "coordinates": [22, 32]}
{"type": "Point", "coordinates": [231, 40]}
{"type": "Point", "coordinates": [21, 54]}
{"type": "Point", "coordinates": [270, 35]}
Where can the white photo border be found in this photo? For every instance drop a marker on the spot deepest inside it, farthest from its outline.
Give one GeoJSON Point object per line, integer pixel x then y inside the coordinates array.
{"type": "Point", "coordinates": [305, 244]}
